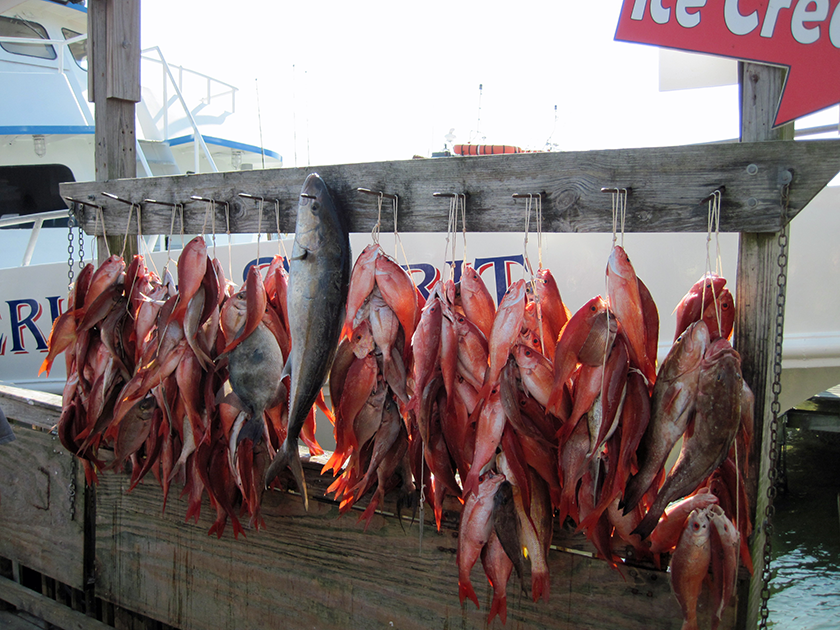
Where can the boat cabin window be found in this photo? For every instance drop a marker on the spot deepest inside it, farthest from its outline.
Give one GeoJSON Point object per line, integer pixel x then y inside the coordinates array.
{"type": "Point", "coordinates": [78, 50]}
{"type": "Point", "coordinates": [32, 188]}
{"type": "Point", "coordinates": [15, 27]}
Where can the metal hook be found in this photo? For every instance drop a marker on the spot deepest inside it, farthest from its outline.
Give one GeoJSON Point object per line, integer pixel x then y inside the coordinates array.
{"type": "Point", "coordinates": [110, 196]}
{"type": "Point", "coordinates": [378, 194]}
{"type": "Point", "coordinates": [527, 195]}
{"type": "Point", "coordinates": [164, 203]}
{"type": "Point", "coordinates": [259, 198]}
{"type": "Point", "coordinates": [198, 198]}
{"type": "Point", "coordinates": [626, 190]}
{"type": "Point", "coordinates": [83, 203]}
{"type": "Point", "coordinates": [441, 194]}
{"type": "Point", "coordinates": [718, 191]}
{"type": "Point", "coordinates": [308, 196]}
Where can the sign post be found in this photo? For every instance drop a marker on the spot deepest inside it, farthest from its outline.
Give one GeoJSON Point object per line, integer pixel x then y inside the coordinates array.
{"type": "Point", "coordinates": [801, 36]}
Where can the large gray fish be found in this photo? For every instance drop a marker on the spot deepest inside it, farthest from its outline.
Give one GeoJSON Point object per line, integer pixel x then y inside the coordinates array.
{"type": "Point", "coordinates": [716, 421]}
{"type": "Point", "coordinates": [319, 276]}
{"type": "Point", "coordinates": [672, 406]}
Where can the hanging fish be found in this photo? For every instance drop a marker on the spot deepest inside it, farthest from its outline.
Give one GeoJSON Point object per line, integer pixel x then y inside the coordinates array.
{"type": "Point", "coordinates": [319, 275]}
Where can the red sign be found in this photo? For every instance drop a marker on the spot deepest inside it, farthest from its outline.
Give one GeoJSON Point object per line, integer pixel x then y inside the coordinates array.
{"type": "Point", "coordinates": [803, 35]}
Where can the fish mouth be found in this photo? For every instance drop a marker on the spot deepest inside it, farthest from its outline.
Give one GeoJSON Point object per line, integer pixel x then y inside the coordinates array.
{"type": "Point", "coordinates": [313, 188]}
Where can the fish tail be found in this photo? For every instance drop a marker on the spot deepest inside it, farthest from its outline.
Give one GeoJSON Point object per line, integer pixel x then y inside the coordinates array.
{"type": "Point", "coordinates": [465, 589]}
{"type": "Point", "coordinates": [498, 607]}
{"type": "Point", "coordinates": [650, 520]}
{"type": "Point", "coordinates": [540, 585]}
{"type": "Point", "coordinates": [632, 494]}
{"type": "Point", "coordinates": [288, 457]}
{"type": "Point", "coordinates": [252, 430]}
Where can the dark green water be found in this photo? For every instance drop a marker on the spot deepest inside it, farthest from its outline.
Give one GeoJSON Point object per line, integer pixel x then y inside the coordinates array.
{"type": "Point", "coordinates": [805, 588]}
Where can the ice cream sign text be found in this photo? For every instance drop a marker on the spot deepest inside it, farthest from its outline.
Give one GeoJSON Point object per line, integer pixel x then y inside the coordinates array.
{"type": "Point", "coordinates": [803, 35]}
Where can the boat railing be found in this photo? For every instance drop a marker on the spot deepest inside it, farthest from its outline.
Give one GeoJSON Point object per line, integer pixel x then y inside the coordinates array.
{"type": "Point", "coordinates": [38, 220]}
{"type": "Point", "coordinates": [211, 91]}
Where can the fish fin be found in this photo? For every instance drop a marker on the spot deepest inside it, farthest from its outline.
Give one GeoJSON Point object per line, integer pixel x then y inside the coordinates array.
{"type": "Point", "coordinates": [498, 607]}
{"type": "Point", "coordinates": [645, 527]}
{"type": "Point", "coordinates": [540, 585]}
{"type": "Point", "coordinates": [288, 456]}
{"type": "Point", "coordinates": [287, 369]}
{"type": "Point", "coordinates": [633, 493]}
{"type": "Point", "coordinates": [465, 589]}
{"type": "Point", "coordinates": [252, 430]}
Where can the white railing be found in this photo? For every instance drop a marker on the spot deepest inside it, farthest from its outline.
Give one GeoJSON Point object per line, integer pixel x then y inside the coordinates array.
{"type": "Point", "coordinates": [169, 80]}
{"type": "Point", "coordinates": [60, 44]}
{"type": "Point", "coordinates": [38, 219]}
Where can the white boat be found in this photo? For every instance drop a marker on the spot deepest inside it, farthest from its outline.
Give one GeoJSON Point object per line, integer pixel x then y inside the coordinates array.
{"type": "Point", "coordinates": [47, 137]}
{"type": "Point", "coordinates": [34, 280]}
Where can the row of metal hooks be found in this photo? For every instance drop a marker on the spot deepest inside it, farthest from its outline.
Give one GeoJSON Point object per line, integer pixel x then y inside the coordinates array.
{"type": "Point", "coordinates": [620, 198]}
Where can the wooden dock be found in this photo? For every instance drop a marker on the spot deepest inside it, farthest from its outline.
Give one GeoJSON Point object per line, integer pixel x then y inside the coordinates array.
{"type": "Point", "coordinates": [818, 413]}
{"type": "Point", "coordinates": [127, 564]}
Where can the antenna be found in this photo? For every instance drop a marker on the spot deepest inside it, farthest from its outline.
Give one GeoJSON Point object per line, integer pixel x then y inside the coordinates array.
{"type": "Point", "coordinates": [294, 115]}
{"type": "Point", "coordinates": [478, 124]}
{"type": "Point", "coordinates": [548, 142]}
{"type": "Point", "coordinates": [477, 134]}
{"type": "Point", "coordinates": [259, 121]}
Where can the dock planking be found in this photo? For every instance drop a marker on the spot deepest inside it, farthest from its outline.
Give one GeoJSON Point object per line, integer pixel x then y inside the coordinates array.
{"type": "Point", "coordinates": [306, 569]}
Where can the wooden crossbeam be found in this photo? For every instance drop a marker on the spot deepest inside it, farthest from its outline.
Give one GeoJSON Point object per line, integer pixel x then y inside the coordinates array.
{"type": "Point", "coordinates": [667, 187]}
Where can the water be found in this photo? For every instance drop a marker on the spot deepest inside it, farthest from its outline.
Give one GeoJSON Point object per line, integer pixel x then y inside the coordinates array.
{"type": "Point", "coordinates": [805, 588]}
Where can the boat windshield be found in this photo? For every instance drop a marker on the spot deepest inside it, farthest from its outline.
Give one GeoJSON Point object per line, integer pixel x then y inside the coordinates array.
{"type": "Point", "coordinates": [15, 27]}
{"type": "Point", "coordinates": [77, 49]}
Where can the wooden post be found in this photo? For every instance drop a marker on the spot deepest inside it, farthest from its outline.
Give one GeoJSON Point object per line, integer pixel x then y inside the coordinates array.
{"type": "Point", "coordinates": [755, 326]}
{"type": "Point", "coordinates": [114, 88]}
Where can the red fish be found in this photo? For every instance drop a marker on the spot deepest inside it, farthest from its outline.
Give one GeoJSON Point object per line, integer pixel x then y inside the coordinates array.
{"type": "Point", "coordinates": [498, 567]}
{"type": "Point", "coordinates": [668, 530]}
{"type": "Point", "coordinates": [554, 312]}
{"type": "Point", "coordinates": [476, 300]}
{"type": "Point", "coordinates": [362, 280]}
{"type": "Point", "coordinates": [626, 303]}
{"type": "Point", "coordinates": [491, 424]}
{"type": "Point", "coordinates": [719, 315]}
{"type": "Point", "coordinates": [503, 334]}
{"type": "Point", "coordinates": [474, 531]}
{"type": "Point", "coordinates": [717, 419]}
{"type": "Point", "coordinates": [690, 564]}
{"type": "Point", "coordinates": [674, 398]}
{"type": "Point", "coordinates": [725, 544]}
{"type": "Point", "coordinates": [587, 330]}
{"type": "Point", "coordinates": [397, 290]}
{"type": "Point", "coordinates": [691, 307]}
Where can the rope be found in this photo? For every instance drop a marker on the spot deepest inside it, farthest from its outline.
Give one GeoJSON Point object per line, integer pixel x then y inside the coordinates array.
{"type": "Point", "coordinates": [713, 224]}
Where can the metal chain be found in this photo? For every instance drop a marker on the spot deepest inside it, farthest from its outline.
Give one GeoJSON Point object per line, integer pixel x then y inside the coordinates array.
{"type": "Point", "coordinates": [81, 247]}
{"type": "Point", "coordinates": [71, 488]}
{"type": "Point", "coordinates": [71, 222]}
{"type": "Point", "coordinates": [775, 408]}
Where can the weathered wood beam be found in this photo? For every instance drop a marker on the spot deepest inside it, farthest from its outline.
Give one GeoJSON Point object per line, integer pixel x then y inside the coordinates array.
{"type": "Point", "coordinates": [46, 609]}
{"type": "Point", "coordinates": [667, 188]}
{"type": "Point", "coordinates": [41, 517]}
{"type": "Point", "coordinates": [755, 327]}
{"type": "Point", "coordinates": [319, 569]}
{"type": "Point", "coordinates": [114, 87]}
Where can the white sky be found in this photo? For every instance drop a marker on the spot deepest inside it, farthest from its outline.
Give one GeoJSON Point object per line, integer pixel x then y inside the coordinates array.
{"type": "Point", "coordinates": [367, 80]}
